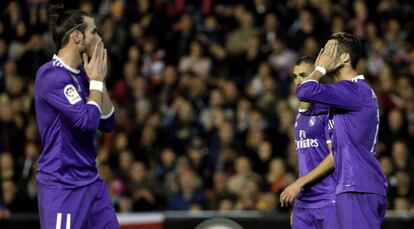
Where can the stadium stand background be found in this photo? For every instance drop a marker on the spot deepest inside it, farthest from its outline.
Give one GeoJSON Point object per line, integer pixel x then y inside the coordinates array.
{"type": "Point", "coordinates": [205, 105]}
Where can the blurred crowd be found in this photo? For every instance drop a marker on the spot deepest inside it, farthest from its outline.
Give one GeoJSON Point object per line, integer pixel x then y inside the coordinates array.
{"type": "Point", "coordinates": [205, 105]}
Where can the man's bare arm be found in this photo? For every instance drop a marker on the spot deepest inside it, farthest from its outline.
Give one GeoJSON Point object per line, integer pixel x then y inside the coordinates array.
{"type": "Point", "coordinates": [290, 192]}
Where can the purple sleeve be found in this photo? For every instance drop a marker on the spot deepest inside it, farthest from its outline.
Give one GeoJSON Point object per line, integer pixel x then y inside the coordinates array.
{"type": "Point", "coordinates": [63, 96]}
{"type": "Point", "coordinates": [316, 109]}
{"type": "Point", "coordinates": [343, 94]}
{"type": "Point", "coordinates": [106, 124]}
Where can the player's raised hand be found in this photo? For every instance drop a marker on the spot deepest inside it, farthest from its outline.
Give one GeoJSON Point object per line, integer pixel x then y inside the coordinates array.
{"type": "Point", "coordinates": [328, 57]}
{"type": "Point", "coordinates": [289, 194]}
{"type": "Point", "coordinates": [96, 68]}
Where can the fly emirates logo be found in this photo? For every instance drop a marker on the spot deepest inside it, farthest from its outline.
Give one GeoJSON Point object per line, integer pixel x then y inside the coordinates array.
{"type": "Point", "coordinates": [304, 142]}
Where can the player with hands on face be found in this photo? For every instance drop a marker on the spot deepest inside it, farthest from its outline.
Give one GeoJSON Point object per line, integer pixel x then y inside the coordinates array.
{"type": "Point", "coordinates": [71, 105]}
{"type": "Point", "coordinates": [353, 108]}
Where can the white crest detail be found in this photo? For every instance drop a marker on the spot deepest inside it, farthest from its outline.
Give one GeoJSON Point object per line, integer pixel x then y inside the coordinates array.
{"type": "Point", "coordinates": [312, 121]}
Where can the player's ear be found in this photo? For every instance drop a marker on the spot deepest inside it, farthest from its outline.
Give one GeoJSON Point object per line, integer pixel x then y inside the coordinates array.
{"type": "Point", "coordinates": [345, 58]}
{"type": "Point", "coordinates": [77, 36]}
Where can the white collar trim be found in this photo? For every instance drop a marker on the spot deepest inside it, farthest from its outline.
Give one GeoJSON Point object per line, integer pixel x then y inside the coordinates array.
{"type": "Point", "coordinates": [62, 64]}
{"type": "Point", "coordinates": [358, 77]}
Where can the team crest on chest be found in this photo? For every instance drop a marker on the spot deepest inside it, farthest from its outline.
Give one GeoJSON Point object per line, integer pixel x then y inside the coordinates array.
{"type": "Point", "coordinates": [312, 121]}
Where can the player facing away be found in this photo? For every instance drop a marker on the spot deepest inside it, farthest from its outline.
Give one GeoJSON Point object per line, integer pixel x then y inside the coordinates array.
{"type": "Point", "coordinates": [361, 185]}
{"type": "Point", "coordinates": [314, 190]}
{"type": "Point", "coordinates": [71, 105]}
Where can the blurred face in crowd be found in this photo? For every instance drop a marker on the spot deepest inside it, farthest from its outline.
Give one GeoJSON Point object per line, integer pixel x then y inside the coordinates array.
{"type": "Point", "coordinates": [265, 151]}
{"type": "Point", "coordinates": [405, 88]}
{"type": "Point", "coordinates": [399, 154]}
{"type": "Point", "coordinates": [121, 141]}
{"type": "Point", "coordinates": [170, 75]}
{"type": "Point", "coordinates": [310, 46]}
{"type": "Point", "coordinates": [210, 23]}
{"type": "Point", "coordinates": [277, 167]}
{"type": "Point", "coordinates": [168, 157]}
{"type": "Point", "coordinates": [137, 172]}
{"type": "Point", "coordinates": [3, 48]}
{"type": "Point", "coordinates": [185, 112]}
{"type": "Point", "coordinates": [225, 205]}
{"type": "Point", "coordinates": [135, 31]}
{"type": "Point", "coordinates": [242, 166]}
{"type": "Point", "coordinates": [133, 54]}
{"type": "Point", "coordinates": [195, 154]}
{"type": "Point", "coordinates": [254, 137]}
{"type": "Point", "coordinates": [386, 165]}
{"type": "Point", "coordinates": [186, 22]}
{"type": "Point", "coordinates": [216, 98]}
{"type": "Point", "coordinates": [196, 50]}
{"type": "Point", "coordinates": [6, 161]}
{"type": "Point", "coordinates": [188, 181]}
{"type": "Point", "coordinates": [395, 120]}
{"type": "Point", "coordinates": [271, 21]}
{"type": "Point", "coordinates": [125, 160]}
{"type": "Point", "coordinates": [220, 181]}
{"type": "Point", "coordinates": [264, 69]}
{"type": "Point", "coordinates": [9, 191]}
{"type": "Point", "coordinates": [402, 204]}
{"type": "Point", "coordinates": [226, 133]}
{"type": "Point", "coordinates": [125, 204]}
{"type": "Point", "coordinates": [403, 183]}
{"type": "Point", "coordinates": [149, 136]}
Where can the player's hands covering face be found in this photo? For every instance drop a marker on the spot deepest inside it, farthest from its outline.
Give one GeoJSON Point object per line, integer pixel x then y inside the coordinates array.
{"type": "Point", "coordinates": [328, 57]}
{"type": "Point", "coordinates": [96, 68]}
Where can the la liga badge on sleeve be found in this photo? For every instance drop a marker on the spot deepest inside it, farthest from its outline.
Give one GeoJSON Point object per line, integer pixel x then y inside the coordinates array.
{"type": "Point", "coordinates": [71, 94]}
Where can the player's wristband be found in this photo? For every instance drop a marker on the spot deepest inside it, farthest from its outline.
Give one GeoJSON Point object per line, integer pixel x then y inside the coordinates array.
{"type": "Point", "coordinates": [96, 85]}
{"type": "Point", "coordinates": [321, 69]}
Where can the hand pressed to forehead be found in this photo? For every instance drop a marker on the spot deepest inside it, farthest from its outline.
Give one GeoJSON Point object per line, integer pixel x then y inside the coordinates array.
{"type": "Point", "coordinates": [328, 57]}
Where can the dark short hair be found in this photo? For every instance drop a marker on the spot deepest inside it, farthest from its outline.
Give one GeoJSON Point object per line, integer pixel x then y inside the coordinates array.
{"type": "Point", "coordinates": [348, 43]}
{"type": "Point", "coordinates": [305, 60]}
{"type": "Point", "coordinates": [61, 23]}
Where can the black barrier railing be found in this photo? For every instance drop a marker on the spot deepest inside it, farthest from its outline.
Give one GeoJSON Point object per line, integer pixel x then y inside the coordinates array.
{"type": "Point", "coordinates": [204, 219]}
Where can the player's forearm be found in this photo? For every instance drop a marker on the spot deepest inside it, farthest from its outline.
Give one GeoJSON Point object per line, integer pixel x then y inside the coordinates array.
{"type": "Point", "coordinates": [107, 106]}
{"type": "Point", "coordinates": [96, 97]}
{"type": "Point", "coordinates": [304, 92]}
{"type": "Point", "coordinates": [325, 167]}
{"type": "Point", "coordinates": [314, 75]}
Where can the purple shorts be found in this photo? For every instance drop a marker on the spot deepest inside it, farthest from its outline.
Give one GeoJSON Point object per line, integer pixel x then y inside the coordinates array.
{"type": "Point", "coordinates": [85, 207]}
{"type": "Point", "coordinates": [360, 210]}
{"type": "Point", "coordinates": [323, 218]}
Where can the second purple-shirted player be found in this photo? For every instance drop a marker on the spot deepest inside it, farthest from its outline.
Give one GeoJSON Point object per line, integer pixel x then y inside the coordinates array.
{"type": "Point", "coordinates": [314, 206]}
{"type": "Point", "coordinates": [313, 193]}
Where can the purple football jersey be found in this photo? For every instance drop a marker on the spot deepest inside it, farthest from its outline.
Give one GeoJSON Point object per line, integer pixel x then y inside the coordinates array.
{"type": "Point", "coordinates": [67, 125]}
{"type": "Point", "coordinates": [311, 138]}
{"type": "Point", "coordinates": [354, 108]}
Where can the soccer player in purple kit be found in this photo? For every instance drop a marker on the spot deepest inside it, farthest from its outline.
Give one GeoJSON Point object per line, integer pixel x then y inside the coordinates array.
{"type": "Point", "coordinates": [361, 185]}
{"type": "Point", "coordinates": [314, 190]}
{"type": "Point", "coordinates": [71, 105]}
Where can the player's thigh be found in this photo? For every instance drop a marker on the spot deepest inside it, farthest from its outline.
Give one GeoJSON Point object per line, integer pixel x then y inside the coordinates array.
{"type": "Point", "coordinates": [62, 208]}
{"type": "Point", "coordinates": [326, 216]}
{"type": "Point", "coordinates": [359, 210]}
{"type": "Point", "coordinates": [302, 219]}
{"type": "Point", "coordinates": [102, 213]}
